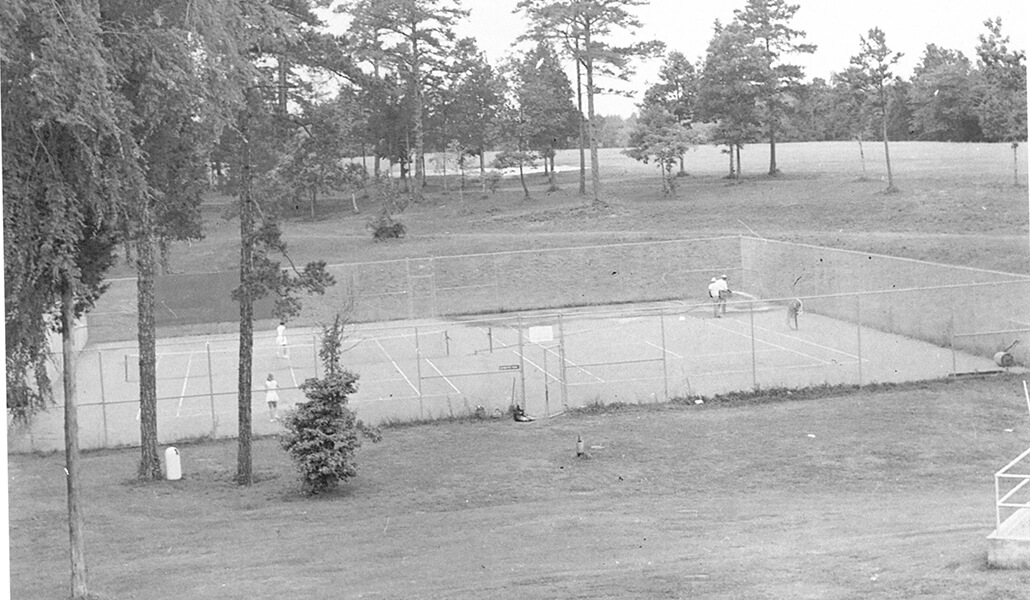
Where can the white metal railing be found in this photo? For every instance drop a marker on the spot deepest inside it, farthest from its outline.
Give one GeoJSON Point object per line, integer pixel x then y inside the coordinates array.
{"type": "Point", "coordinates": [1005, 501]}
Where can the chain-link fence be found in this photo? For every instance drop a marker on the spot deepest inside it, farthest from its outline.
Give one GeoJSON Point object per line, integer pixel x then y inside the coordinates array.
{"type": "Point", "coordinates": [866, 318]}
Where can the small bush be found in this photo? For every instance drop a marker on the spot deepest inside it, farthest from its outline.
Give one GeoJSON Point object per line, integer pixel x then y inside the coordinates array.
{"type": "Point", "coordinates": [322, 433]}
{"type": "Point", "coordinates": [384, 227]}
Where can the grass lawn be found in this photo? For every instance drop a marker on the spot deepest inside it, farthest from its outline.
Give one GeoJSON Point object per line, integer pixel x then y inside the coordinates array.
{"type": "Point", "coordinates": [957, 205]}
{"type": "Point", "coordinates": [866, 494]}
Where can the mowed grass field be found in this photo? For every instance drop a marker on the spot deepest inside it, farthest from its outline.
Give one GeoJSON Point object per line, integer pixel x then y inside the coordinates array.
{"type": "Point", "coordinates": [958, 205]}
{"type": "Point", "coordinates": [867, 494]}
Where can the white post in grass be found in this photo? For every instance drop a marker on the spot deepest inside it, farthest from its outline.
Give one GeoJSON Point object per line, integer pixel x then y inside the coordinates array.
{"type": "Point", "coordinates": [211, 392]}
{"type": "Point", "coordinates": [103, 399]}
{"type": "Point", "coordinates": [418, 373]}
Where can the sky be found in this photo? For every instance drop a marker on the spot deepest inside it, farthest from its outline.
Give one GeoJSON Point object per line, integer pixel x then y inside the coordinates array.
{"type": "Point", "coordinates": [834, 26]}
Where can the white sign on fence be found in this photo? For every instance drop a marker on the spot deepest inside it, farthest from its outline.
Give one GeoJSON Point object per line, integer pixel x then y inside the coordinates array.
{"type": "Point", "coordinates": [543, 333]}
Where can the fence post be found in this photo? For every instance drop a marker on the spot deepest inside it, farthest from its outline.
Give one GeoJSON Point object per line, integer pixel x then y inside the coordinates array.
{"type": "Point", "coordinates": [951, 339]}
{"type": "Point", "coordinates": [103, 399]}
{"type": "Point", "coordinates": [858, 331]}
{"type": "Point", "coordinates": [418, 374]}
{"type": "Point", "coordinates": [411, 289]}
{"type": "Point", "coordinates": [561, 357]}
{"type": "Point", "coordinates": [522, 363]}
{"type": "Point", "coordinates": [497, 284]}
{"type": "Point", "coordinates": [665, 365]}
{"type": "Point", "coordinates": [211, 392]}
{"type": "Point", "coordinates": [754, 362]}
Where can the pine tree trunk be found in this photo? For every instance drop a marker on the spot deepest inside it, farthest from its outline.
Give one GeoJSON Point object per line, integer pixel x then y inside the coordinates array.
{"type": "Point", "coordinates": [150, 460]}
{"type": "Point", "coordinates": [861, 154]}
{"type": "Point", "coordinates": [522, 180]}
{"type": "Point", "coordinates": [772, 147]}
{"type": "Point", "coordinates": [595, 167]}
{"type": "Point", "coordinates": [419, 110]}
{"type": "Point", "coordinates": [1015, 164]}
{"type": "Point", "coordinates": [582, 126]}
{"type": "Point", "coordinates": [244, 468]}
{"type": "Point", "coordinates": [79, 583]}
{"type": "Point", "coordinates": [887, 155]}
{"type": "Point", "coordinates": [482, 169]}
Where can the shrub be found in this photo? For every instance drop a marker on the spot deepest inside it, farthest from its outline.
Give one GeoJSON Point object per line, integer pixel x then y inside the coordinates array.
{"type": "Point", "coordinates": [322, 434]}
{"type": "Point", "coordinates": [384, 227]}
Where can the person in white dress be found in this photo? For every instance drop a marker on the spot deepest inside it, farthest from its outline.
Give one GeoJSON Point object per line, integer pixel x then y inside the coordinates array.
{"type": "Point", "coordinates": [272, 397]}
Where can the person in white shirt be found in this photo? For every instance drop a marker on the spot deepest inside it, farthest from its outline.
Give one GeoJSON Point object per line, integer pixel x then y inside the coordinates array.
{"type": "Point", "coordinates": [713, 293]}
{"type": "Point", "coordinates": [281, 349]}
{"type": "Point", "coordinates": [723, 288]}
{"type": "Point", "coordinates": [272, 397]}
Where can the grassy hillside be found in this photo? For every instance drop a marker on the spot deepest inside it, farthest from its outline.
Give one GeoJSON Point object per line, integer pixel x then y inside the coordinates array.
{"type": "Point", "coordinates": [958, 205]}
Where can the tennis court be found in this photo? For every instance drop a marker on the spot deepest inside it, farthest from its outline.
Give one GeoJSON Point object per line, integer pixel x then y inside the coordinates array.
{"type": "Point", "coordinates": [546, 361]}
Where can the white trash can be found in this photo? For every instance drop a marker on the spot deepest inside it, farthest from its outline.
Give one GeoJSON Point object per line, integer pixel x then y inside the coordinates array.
{"type": "Point", "coordinates": [173, 466]}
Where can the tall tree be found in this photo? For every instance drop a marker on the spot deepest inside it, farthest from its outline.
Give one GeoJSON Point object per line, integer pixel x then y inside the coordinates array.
{"type": "Point", "coordinates": [1003, 96]}
{"type": "Point", "coordinates": [874, 79]}
{"type": "Point", "coordinates": [415, 37]}
{"type": "Point", "coordinates": [161, 75]}
{"type": "Point", "coordinates": [852, 110]}
{"type": "Point", "coordinates": [734, 69]}
{"type": "Point", "coordinates": [659, 136]}
{"type": "Point", "coordinates": [257, 140]}
{"type": "Point", "coordinates": [69, 163]}
{"type": "Point", "coordinates": [767, 22]}
{"type": "Point", "coordinates": [546, 95]}
{"type": "Point", "coordinates": [942, 97]}
{"type": "Point", "coordinates": [586, 29]}
{"type": "Point", "coordinates": [473, 97]}
{"type": "Point", "coordinates": [676, 91]}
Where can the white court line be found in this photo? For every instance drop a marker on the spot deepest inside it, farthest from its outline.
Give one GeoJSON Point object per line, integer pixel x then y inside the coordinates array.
{"type": "Point", "coordinates": [667, 351]}
{"type": "Point", "coordinates": [440, 373]}
{"type": "Point", "coordinates": [396, 366]}
{"type": "Point", "coordinates": [185, 382]}
{"type": "Point", "coordinates": [293, 374]}
{"type": "Point", "coordinates": [744, 335]}
{"type": "Point", "coordinates": [803, 341]}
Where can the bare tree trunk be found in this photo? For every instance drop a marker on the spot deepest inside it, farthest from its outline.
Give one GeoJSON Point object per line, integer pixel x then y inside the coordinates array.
{"type": "Point", "coordinates": [522, 180]}
{"type": "Point", "coordinates": [482, 169]}
{"type": "Point", "coordinates": [150, 460]}
{"type": "Point", "coordinates": [244, 467]}
{"type": "Point", "coordinates": [887, 156]}
{"type": "Point", "coordinates": [1015, 164]}
{"type": "Point", "coordinates": [740, 168]}
{"type": "Point", "coordinates": [582, 126]}
{"type": "Point", "coordinates": [733, 172]}
{"type": "Point", "coordinates": [772, 147]}
{"type": "Point", "coordinates": [420, 175]}
{"type": "Point", "coordinates": [595, 165]}
{"type": "Point", "coordinates": [861, 154]}
{"type": "Point", "coordinates": [79, 583]}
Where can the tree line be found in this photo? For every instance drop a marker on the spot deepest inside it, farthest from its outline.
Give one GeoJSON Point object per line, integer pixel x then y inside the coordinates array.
{"type": "Point", "coordinates": [746, 90]}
